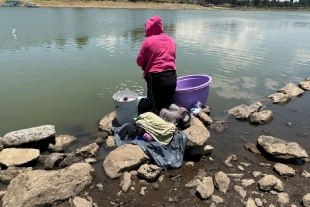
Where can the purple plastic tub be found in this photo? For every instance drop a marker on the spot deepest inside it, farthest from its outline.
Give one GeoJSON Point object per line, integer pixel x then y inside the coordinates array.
{"type": "Point", "coordinates": [190, 89]}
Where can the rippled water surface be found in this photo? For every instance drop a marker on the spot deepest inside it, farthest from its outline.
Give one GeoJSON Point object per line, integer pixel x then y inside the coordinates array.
{"type": "Point", "coordinates": [63, 65]}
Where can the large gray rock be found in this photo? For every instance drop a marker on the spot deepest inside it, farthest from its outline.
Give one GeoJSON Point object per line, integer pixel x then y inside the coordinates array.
{"type": "Point", "coordinates": [291, 90]}
{"type": "Point", "coordinates": [262, 117]}
{"type": "Point", "coordinates": [284, 169]}
{"type": "Point", "coordinates": [18, 156]}
{"type": "Point", "coordinates": [23, 136]}
{"type": "Point", "coordinates": [47, 188]}
{"type": "Point", "coordinates": [197, 136]}
{"type": "Point", "coordinates": [107, 122]}
{"type": "Point", "coordinates": [206, 188]}
{"type": "Point", "coordinates": [271, 182]}
{"type": "Point", "coordinates": [243, 111]}
{"type": "Point", "coordinates": [306, 200]}
{"type": "Point", "coordinates": [9, 174]}
{"type": "Point", "coordinates": [281, 149]}
{"type": "Point", "coordinates": [125, 158]}
{"type": "Point", "coordinates": [304, 85]}
{"type": "Point", "coordinates": [221, 181]}
{"type": "Point", "coordinates": [61, 142]}
{"type": "Point", "coordinates": [279, 98]}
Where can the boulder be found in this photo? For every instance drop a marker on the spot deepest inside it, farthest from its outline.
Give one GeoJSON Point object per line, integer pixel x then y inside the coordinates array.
{"type": "Point", "coordinates": [306, 200]}
{"type": "Point", "coordinates": [47, 188]}
{"type": "Point", "coordinates": [281, 149]}
{"type": "Point", "coordinates": [243, 111]}
{"type": "Point", "coordinates": [284, 170]}
{"type": "Point", "coordinates": [291, 90]}
{"type": "Point", "coordinates": [304, 85]}
{"type": "Point", "coordinates": [279, 98]}
{"type": "Point", "coordinates": [18, 156]}
{"type": "Point", "coordinates": [61, 142]}
{"type": "Point", "coordinates": [149, 172]}
{"type": "Point", "coordinates": [107, 122]}
{"type": "Point", "coordinates": [221, 181]}
{"type": "Point", "coordinates": [81, 202]}
{"type": "Point", "coordinates": [125, 158]}
{"type": "Point", "coordinates": [23, 136]}
{"type": "Point", "coordinates": [9, 174]}
{"type": "Point", "coordinates": [206, 188]}
{"type": "Point", "coordinates": [195, 121]}
{"type": "Point", "coordinates": [53, 160]}
{"type": "Point", "coordinates": [90, 150]}
{"type": "Point", "coordinates": [197, 136]}
{"type": "Point", "coordinates": [262, 117]}
{"type": "Point", "coordinates": [271, 182]}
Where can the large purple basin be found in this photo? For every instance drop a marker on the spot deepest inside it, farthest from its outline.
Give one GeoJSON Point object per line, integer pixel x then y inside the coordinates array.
{"type": "Point", "coordinates": [190, 89]}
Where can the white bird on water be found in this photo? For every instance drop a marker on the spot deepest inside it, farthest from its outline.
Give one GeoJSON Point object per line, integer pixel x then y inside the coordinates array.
{"type": "Point", "coordinates": [14, 30]}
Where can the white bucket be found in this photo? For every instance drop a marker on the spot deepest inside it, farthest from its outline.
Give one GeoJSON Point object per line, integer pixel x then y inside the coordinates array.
{"type": "Point", "coordinates": [126, 111]}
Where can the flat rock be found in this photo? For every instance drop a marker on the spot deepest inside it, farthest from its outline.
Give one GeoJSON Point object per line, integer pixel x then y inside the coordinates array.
{"type": "Point", "coordinates": [197, 136]}
{"type": "Point", "coordinates": [23, 136]}
{"type": "Point", "coordinates": [252, 147]}
{"type": "Point", "coordinates": [124, 158]}
{"type": "Point", "coordinates": [61, 142]}
{"type": "Point", "coordinates": [18, 156]}
{"type": "Point", "coordinates": [221, 181]}
{"type": "Point", "coordinates": [243, 111]}
{"type": "Point", "coordinates": [87, 151]}
{"type": "Point", "coordinates": [284, 169]}
{"type": "Point", "coordinates": [107, 122]}
{"type": "Point", "coordinates": [279, 98]}
{"type": "Point", "coordinates": [46, 188]}
{"type": "Point", "coordinates": [247, 182]}
{"type": "Point", "coordinates": [291, 90]}
{"type": "Point", "coordinates": [262, 117]}
{"type": "Point", "coordinates": [271, 182]}
{"type": "Point", "coordinates": [204, 118]}
{"type": "Point", "coordinates": [281, 149]}
{"type": "Point", "coordinates": [304, 85]}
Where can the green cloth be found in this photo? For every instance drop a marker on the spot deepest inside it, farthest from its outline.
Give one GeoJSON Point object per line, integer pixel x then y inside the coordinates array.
{"type": "Point", "coordinates": [158, 128]}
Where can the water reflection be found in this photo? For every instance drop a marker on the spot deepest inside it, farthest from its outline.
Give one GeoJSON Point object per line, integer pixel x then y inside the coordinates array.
{"type": "Point", "coordinates": [81, 42]}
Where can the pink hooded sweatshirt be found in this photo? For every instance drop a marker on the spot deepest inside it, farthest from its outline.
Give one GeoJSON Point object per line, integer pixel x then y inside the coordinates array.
{"type": "Point", "coordinates": [157, 53]}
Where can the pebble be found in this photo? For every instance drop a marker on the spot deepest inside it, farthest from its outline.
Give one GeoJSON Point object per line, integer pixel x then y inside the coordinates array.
{"type": "Point", "coordinates": [267, 165]}
{"type": "Point", "coordinates": [143, 191]}
{"type": "Point", "coordinates": [155, 186]}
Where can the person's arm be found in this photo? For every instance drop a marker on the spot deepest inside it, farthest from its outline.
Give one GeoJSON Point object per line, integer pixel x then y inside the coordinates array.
{"type": "Point", "coordinates": [141, 59]}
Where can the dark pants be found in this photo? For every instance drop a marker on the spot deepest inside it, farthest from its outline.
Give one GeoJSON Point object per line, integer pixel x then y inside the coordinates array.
{"type": "Point", "coordinates": [161, 86]}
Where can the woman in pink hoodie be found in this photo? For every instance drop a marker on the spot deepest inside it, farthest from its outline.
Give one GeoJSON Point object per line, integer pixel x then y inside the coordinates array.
{"type": "Point", "coordinates": [157, 60]}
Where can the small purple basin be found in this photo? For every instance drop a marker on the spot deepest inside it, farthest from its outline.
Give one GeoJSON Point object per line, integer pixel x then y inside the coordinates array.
{"type": "Point", "coordinates": [190, 89]}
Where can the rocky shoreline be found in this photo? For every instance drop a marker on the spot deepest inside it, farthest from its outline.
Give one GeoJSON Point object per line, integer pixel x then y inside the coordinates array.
{"type": "Point", "coordinates": [39, 171]}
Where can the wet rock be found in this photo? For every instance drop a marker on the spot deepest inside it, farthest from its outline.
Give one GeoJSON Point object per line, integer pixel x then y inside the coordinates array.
{"type": "Point", "coordinates": [87, 151]}
{"type": "Point", "coordinates": [221, 181]}
{"type": "Point", "coordinates": [279, 98]}
{"type": "Point", "coordinates": [125, 181]}
{"type": "Point", "coordinates": [155, 186]}
{"type": "Point", "coordinates": [143, 191]}
{"type": "Point", "coordinates": [284, 170]}
{"type": "Point", "coordinates": [61, 142]}
{"type": "Point", "coordinates": [124, 158]}
{"type": "Point", "coordinates": [18, 156]}
{"type": "Point", "coordinates": [70, 160]}
{"type": "Point", "coordinates": [217, 199]}
{"type": "Point", "coordinates": [283, 198]}
{"type": "Point", "coordinates": [234, 175]}
{"type": "Point", "coordinates": [46, 188]}
{"type": "Point", "coordinates": [205, 188]}
{"type": "Point", "coordinates": [81, 202]}
{"type": "Point", "coordinates": [102, 134]}
{"type": "Point", "coordinates": [271, 182]}
{"type": "Point", "coordinates": [53, 160]}
{"type": "Point", "coordinates": [229, 159]}
{"type": "Point", "coordinates": [305, 174]}
{"type": "Point", "coordinates": [243, 111]}
{"type": "Point", "coordinates": [262, 117]}
{"type": "Point", "coordinates": [247, 182]}
{"type": "Point", "coordinates": [240, 190]}
{"type": "Point", "coordinates": [219, 126]}
{"type": "Point", "coordinates": [289, 124]}
{"type": "Point", "coordinates": [42, 159]}
{"type": "Point", "coordinates": [281, 149]}
{"type": "Point", "coordinates": [304, 85]}
{"type": "Point", "coordinates": [99, 141]}
{"type": "Point", "coordinates": [206, 120]}
{"type": "Point", "coordinates": [110, 142]}
{"type": "Point", "coordinates": [206, 109]}
{"type": "Point", "coordinates": [149, 172]}
{"type": "Point", "coordinates": [197, 136]}
{"type": "Point", "coordinates": [90, 160]}
{"type": "Point", "coordinates": [7, 175]}
{"type": "Point", "coordinates": [258, 202]}
{"type": "Point", "coordinates": [291, 90]}
{"type": "Point", "coordinates": [256, 174]}
{"type": "Point", "coordinates": [107, 122]}
{"type": "Point", "coordinates": [306, 200]}
{"type": "Point", "coordinates": [250, 203]}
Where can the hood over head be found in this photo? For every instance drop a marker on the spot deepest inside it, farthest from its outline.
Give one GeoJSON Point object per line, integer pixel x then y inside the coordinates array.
{"type": "Point", "coordinates": [153, 26]}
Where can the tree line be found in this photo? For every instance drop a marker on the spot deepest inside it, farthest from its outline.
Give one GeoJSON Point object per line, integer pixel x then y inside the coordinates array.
{"type": "Point", "coordinates": [259, 3]}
